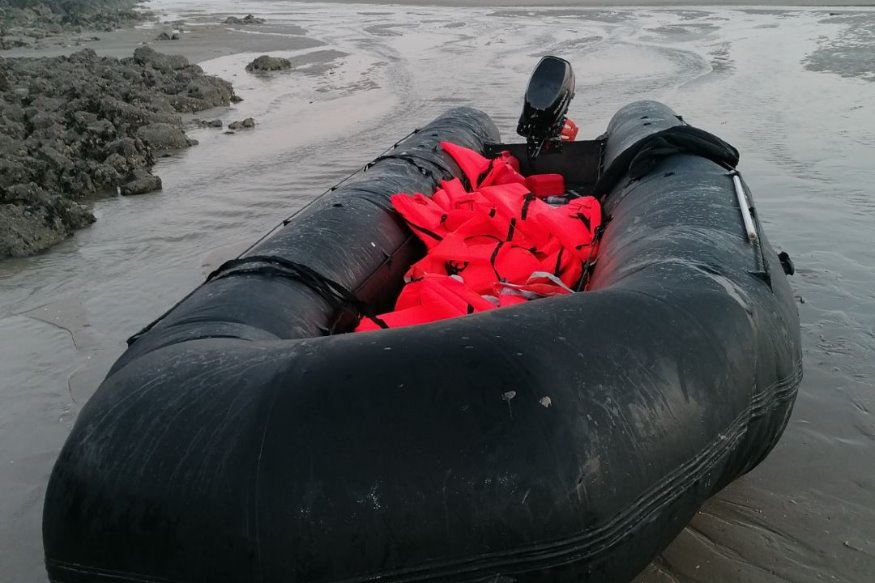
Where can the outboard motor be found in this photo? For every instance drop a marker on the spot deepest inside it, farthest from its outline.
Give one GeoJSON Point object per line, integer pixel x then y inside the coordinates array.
{"type": "Point", "coordinates": [548, 95]}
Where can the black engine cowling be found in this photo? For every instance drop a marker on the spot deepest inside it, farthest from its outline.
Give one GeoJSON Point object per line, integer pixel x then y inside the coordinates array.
{"type": "Point", "coordinates": [548, 95]}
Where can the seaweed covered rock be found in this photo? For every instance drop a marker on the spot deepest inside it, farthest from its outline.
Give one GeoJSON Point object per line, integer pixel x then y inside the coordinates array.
{"type": "Point", "coordinates": [80, 126]}
{"type": "Point", "coordinates": [164, 136]}
{"type": "Point", "coordinates": [248, 19]}
{"type": "Point", "coordinates": [142, 183]}
{"type": "Point", "coordinates": [23, 22]}
{"type": "Point", "coordinates": [207, 123]}
{"type": "Point", "coordinates": [246, 124]}
{"type": "Point", "coordinates": [31, 220]}
{"type": "Point", "coordinates": [268, 63]}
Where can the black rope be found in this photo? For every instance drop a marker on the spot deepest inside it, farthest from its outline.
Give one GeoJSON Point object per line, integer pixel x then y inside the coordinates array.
{"type": "Point", "coordinates": [421, 163]}
{"type": "Point", "coordinates": [286, 220]}
{"type": "Point", "coordinates": [336, 295]}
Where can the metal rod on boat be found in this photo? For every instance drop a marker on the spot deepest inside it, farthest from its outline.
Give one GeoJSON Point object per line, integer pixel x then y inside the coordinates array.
{"type": "Point", "coordinates": [745, 207]}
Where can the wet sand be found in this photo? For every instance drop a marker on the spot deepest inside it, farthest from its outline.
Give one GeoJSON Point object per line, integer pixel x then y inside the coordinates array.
{"type": "Point", "coordinates": [792, 88]}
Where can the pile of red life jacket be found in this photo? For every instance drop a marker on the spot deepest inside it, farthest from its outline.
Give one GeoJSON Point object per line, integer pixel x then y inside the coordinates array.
{"type": "Point", "coordinates": [498, 244]}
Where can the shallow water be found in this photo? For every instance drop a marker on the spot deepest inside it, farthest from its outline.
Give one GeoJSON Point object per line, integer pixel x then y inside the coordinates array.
{"type": "Point", "coordinates": [792, 89]}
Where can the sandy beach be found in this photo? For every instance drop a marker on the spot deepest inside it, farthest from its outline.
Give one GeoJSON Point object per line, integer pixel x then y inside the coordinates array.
{"type": "Point", "coordinates": [791, 86]}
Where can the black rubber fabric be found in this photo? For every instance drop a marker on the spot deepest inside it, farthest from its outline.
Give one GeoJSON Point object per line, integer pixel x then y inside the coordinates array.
{"type": "Point", "coordinates": [648, 132]}
{"type": "Point", "coordinates": [567, 439]}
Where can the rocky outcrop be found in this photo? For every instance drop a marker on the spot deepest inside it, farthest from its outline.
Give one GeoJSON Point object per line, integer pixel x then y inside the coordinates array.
{"type": "Point", "coordinates": [164, 136]}
{"type": "Point", "coordinates": [141, 183]}
{"type": "Point", "coordinates": [76, 127]}
{"type": "Point", "coordinates": [207, 123]}
{"type": "Point", "coordinates": [241, 125]}
{"type": "Point", "coordinates": [268, 63]}
{"type": "Point", "coordinates": [23, 22]}
{"type": "Point", "coordinates": [26, 229]}
{"type": "Point", "coordinates": [248, 19]}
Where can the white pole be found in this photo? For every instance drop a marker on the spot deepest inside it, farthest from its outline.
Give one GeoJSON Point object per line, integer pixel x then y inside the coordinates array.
{"type": "Point", "coordinates": [745, 207]}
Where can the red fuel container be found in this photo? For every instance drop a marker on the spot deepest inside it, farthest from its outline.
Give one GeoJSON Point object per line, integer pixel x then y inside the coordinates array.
{"type": "Point", "coordinates": [544, 185]}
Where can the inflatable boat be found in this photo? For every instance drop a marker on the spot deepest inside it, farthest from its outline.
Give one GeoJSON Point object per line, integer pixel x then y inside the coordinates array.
{"type": "Point", "coordinates": [248, 436]}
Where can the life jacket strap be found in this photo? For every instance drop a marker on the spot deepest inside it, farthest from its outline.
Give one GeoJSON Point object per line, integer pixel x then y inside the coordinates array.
{"type": "Point", "coordinates": [589, 264]}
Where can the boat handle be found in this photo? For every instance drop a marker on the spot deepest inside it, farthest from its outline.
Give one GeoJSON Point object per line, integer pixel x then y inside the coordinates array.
{"type": "Point", "coordinates": [744, 206]}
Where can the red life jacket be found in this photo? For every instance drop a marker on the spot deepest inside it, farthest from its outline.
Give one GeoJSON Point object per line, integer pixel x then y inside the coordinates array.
{"type": "Point", "coordinates": [492, 246]}
{"type": "Point", "coordinates": [482, 171]}
{"type": "Point", "coordinates": [433, 297]}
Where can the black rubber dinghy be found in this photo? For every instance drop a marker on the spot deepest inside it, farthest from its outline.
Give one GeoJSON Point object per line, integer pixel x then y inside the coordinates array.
{"type": "Point", "coordinates": [245, 437]}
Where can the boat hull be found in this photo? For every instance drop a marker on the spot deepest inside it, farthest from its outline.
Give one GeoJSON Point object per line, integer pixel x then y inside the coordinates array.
{"type": "Point", "coordinates": [566, 439]}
